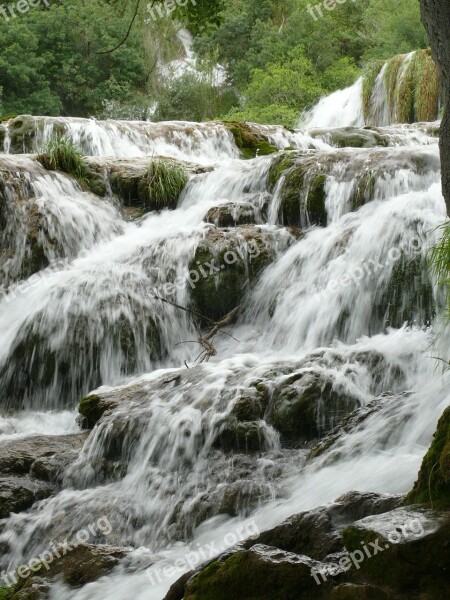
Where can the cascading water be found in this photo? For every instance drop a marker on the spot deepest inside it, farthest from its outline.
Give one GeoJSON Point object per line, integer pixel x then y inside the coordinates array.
{"type": "Point", "coordinates": [404, 89]}
{"type": "Point", "coordinates": [346, 302]}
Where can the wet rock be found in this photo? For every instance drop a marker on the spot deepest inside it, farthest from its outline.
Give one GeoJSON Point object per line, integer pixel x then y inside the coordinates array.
{"type": "Point", "coordinates": [19, 493]}
{"type": "Point", "coordinates": [351, 137]}
{"type": "Point", "coordinates": [128, 179]}
{"type": "Point", "coordinates": [233, 214]}
{"type": "Point", "coordinates": [32, 468]}
{"type": "Point", "coordinates": [82, 564]}
{"type": "Point", "coordinates": [433, 484]}
{"type": "Point", "coordinates": [250, 142]}
{"type": "Point", "coordinates": [413, 554]}
{"type": "Point", "coordinates": [352, 421]}
{"type": "Point", "coordinates": [224, 265]}
{"type": "Point", "coordinates": [93, 407]}
{"type": "Point", "coordinates": [261, 572]}
{"type": "Point", "coordinates": [307, 405]}
{"type": "Point", "coordinates": [318, 533]}
{"type": "Point", "coordinates": [409, 296]}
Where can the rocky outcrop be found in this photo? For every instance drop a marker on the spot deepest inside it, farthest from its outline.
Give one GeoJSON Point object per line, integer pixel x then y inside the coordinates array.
{"type": "Point", "coordinates": [32, 469]}
{"type": "Point", "coordinates": [251, 143]}
{"type": "Point", "coordinates": [79, 565]}
{"type": "Point", "coordinates": [361, 547]}
{"type": "Point", "coordinates": [233, 214]}
{"type": "Point", "coordinates": [433, 484]}
{"type": "Point", "coordinates": [226, 262]}
{"type": "Point", "coordinates": [436, 18]}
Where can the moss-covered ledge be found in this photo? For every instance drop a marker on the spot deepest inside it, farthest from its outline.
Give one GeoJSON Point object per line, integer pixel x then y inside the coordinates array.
{"type": "Point", "coordinates": [433, 484]}
{"type": "Point", "coordinates": [249, 142]}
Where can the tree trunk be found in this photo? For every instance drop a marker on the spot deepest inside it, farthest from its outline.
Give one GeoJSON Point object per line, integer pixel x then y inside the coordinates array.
{"type": "Point", "coordinates": [436, 18]}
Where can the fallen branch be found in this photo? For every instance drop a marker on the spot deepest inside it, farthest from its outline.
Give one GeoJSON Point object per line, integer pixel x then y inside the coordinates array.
{"type": "Point", "coordinates": [206, 341]}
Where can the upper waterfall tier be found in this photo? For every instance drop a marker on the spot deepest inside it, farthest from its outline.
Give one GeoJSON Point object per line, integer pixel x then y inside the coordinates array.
{"type": "Point", "coordinates": [404, 89]}
{"type": "Point", "coordinates": [204, 143]}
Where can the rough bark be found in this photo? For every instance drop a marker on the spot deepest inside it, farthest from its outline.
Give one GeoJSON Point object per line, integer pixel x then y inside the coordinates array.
{"type": "Point", "coordinates": [436, 18]}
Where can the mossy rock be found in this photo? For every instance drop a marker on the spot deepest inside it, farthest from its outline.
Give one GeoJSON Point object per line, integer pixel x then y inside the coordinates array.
{"type": "Point", "coordinates": [232, 214]}
{"type": "Point", "coordinates": [253, 575]}
{"type": "Point", "coordinates": [307, 406]}
{"type": "Point", "coordinates": [412, 554]}
{"type": "Point", "coordinates": [80, 565]}
{"type": "Point", "coordinates": [433, 484]}
{"type": "Point", "coordinates": [409, 295]}
{"type": "Point", "coordinates": [249, 142]}
{"type": "Point", "coordinates": [279, 165]}
{"type": "Point", "coordinates": [303, 198]}
{"type": "Point", "coordinates": [22, 131]}
{"type": "Point", "coordinates": [223, 267]}
{"type": "Point", "coordinates": [92, 409]}
{"type": "Point", "coordinates": [238, 436]}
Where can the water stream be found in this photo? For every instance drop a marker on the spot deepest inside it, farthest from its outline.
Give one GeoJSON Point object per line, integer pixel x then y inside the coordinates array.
{"type": "Point", "coordinates": [322, 306]}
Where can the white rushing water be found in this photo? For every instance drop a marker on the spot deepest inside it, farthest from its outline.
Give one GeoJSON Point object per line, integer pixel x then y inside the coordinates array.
{"type": "Point", "coordinates": [320, 307]}
{"type": "Point", "coordinates": [345, 108]}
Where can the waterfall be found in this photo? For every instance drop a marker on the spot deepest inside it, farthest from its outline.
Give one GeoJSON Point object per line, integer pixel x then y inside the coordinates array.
{"type": "Point", "coordinates": [404, 89]}
{"type": "Point", "coordinates": [333, 290]}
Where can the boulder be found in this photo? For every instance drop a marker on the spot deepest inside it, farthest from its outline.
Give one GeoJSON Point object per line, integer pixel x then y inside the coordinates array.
{"type": "Point", "coordinates": [307, 405]}
{"type": "Point", "coordinates": [80, 565]}
{"type": "Point", "coordinates": [233, 214]}
{"type": "Point", "coordinates": [433, 484]}
{"type": "Point", "coordinates": [224, 265]}
{"type": "Point", "coordinates": [32, 468]}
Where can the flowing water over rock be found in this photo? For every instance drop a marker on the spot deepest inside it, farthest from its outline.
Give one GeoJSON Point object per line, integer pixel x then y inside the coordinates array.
{"type": "Point", "coordinates": [404, 89]}
{"type": "Point", "coordinates": [323, 247]}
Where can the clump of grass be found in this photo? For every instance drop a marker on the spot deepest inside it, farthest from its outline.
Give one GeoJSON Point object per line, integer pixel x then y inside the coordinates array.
{"type": "Point", "coordinates": [60, 154]}
{"type": "Point", "coordinates": [164, 183]}
{"type": "Point", "coordinates": [440, 261]}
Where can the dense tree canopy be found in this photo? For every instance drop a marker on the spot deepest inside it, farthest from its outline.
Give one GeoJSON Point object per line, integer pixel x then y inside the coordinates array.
{"type": "Point", "coordinates": [76, 57]}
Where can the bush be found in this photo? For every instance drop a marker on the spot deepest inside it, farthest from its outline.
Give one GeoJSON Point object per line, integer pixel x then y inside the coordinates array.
{"type": "Point", "coordinates": [62, 155]}
{"type": "Point", "coordinates": [164, 183]}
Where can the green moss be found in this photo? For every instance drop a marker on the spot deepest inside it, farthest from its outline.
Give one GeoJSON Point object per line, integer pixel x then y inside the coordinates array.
{"type": "Point", "coordinates": [409, 295]}
{"type": "Point", "coordinates": [246, 576]}
{"type": "Point", "coordinates": [6, 593]}
{"type": "Point", "coordinates": [315, 203]}
{"type": "Point", "coordinates": [279, 165]}
{"type": "Point", "coordinates": [433, 484]}
{"type": "Point", "coordinates": [426, 86]}
{"type": "Point", "coordinates": [91, 409]}
{"type": "Point", "coordinates": [364, 190]}
{"type": "Point", "coordinates": [250, 144]}
{"type": "Point", "coordinates": [368, 84]}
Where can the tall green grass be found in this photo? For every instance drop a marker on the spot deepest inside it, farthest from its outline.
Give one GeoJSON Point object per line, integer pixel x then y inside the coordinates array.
{"type": "Point", "coordinates": [164, 183]}
{"type": "Point", "coordinates": [60, 154]}
{"type": "Point", "coordinates": [440, 260]}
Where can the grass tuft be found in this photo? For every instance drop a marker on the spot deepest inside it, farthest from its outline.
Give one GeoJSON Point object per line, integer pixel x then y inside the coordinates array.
{"type": "Point", "coordinates": [164, 183]}
{"type": "Point", "coordinates": [62, 155]}
{"type": "Point", "coordinates": [440, 260]}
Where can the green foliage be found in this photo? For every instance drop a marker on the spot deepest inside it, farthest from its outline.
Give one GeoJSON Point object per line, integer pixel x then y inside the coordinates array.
{"type": "Point", "coordinates": [440, 261]}
{"type": "Point", "coordinates": [192, 98]}
{"type": "Point", "coordinates": [285, 88]}
{"type": "Point", "coordinates": [164, 183]}
{"type": "Point", "coordinates": [62, 155]}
